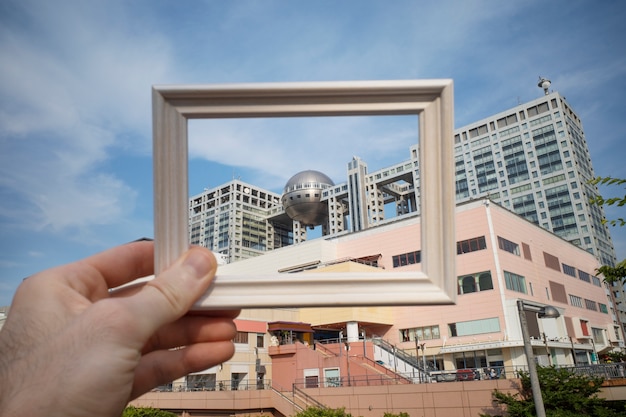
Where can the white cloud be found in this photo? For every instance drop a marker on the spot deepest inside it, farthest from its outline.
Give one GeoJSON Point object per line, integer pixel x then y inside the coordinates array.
{"type": "Point", "coordinates": [75, 81]}
{"type": "Point", "coordinates": [75, 88]}
{"type": "Point", "coordinates": [58, 184]}
{"type": "Point", "coordinates": [279, 148]}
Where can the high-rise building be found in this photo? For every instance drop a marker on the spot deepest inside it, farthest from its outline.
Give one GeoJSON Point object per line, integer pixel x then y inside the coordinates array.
{"type": "Point", "coordinates": [232, 220]}
{"type": "Point", "coordinates": [532, 159]}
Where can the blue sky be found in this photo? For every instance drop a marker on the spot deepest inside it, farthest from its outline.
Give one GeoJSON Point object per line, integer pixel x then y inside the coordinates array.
{"type": "Point", "coordinates": [75, 110]}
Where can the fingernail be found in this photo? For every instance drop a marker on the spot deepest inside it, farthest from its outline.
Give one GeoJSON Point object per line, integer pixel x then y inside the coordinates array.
{"type": "Point", "coordinates": [143, 239]}
{"type": "Point", "coordinates": [198, 262]}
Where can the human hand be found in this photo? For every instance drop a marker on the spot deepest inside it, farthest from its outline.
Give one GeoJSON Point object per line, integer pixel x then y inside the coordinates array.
{"type": "Point", "coordinates": [70, 347]}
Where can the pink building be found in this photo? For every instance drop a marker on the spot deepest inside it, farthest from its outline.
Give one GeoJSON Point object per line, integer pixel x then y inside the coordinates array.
{"type": "Point", "coordinates": [501, 258]}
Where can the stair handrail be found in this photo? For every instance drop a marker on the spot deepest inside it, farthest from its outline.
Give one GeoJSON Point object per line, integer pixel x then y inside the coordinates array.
{"type": "Point", "coordinates": [411, 359]}
{"type": "Point", "coordinates": [379, 366]}
{"type": "Point", "coordinates": [321, 346]}
{"type": "Point", "coordinates": [285, 397]}
{"type": "Point", "coordinates": [307, 398]}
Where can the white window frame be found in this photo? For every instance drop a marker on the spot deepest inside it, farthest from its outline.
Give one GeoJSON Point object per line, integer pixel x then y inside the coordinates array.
{"type": "Point", "coordinates": [430, 100]}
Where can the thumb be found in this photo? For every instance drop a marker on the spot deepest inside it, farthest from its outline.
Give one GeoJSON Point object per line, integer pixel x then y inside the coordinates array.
{"type": "Point", "coordinates": [171, 294]}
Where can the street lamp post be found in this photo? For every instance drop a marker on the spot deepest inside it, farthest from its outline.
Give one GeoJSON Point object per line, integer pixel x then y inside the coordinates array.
{"type": "Point", "coordinates": [419, 346]}
{"type": "Point", "coordinates": [348, 362]}
{"type": "Point", "coordinates": [542, 312]}
{"type": "Point", "coordinates": [417, 358]}
{"type": "Point", "coordinates": [424, 362]}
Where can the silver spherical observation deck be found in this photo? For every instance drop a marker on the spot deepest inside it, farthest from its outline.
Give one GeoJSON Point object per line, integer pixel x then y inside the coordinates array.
{"type": "Point", "coordinates": [302, 195]}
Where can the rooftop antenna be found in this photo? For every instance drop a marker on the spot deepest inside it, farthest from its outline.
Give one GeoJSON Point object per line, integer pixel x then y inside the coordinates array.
{"type": "Point", "coordinates": [545, 84]}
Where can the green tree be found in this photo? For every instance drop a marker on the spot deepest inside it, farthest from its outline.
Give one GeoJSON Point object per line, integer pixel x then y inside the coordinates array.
{"type": "Point", "coordinates": [337, 412]}
{"type": "Point", "coordinates": [565, 394]}
{"type": "Point", "coordinates": [131, 411]}
{"type": "Point", "coordinates": [402, 414]}
{"type": "Point", "coordinates": [601, 201]}
{"type": "Point", "coordinates": [613, 273]}
{"type": "Point", "coordinates": [618, 272]}
{"type": "Point", "coordinates": [614, 356]}
{"type": "Point", "coordinates": [323, 412]}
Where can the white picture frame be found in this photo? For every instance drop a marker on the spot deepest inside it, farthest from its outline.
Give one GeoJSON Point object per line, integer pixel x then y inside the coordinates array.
{"type": "Point", "coordinates": [430, 100]}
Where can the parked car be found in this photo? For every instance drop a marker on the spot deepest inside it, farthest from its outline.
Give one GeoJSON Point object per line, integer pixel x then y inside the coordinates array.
{"type": "Point", "coordinates": [465, 375]}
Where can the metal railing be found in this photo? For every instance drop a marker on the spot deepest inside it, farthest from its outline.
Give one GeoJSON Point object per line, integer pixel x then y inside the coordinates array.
{"type": "Point", "coordinates": [225, 385]}
{"type": "Point", "coordinates": [353, 381]}
{"type": "Point", "coordinates": [401, 354]}
{"type": "Point", "coordinates": [605, 370]}
{"type": "Point", "coordinates": [306, 398]}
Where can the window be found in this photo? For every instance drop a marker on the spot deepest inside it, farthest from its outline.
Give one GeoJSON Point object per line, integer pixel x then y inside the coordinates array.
{"type": "Point", "coordinates": [508, 246]}
{"type": "Point", "coordinates": [540, 120]}
{"type": "Point", "coordinates": [480, 130]}
{"type": "Point", "coordinates": [603, 308]}
{"type": "Point", "coordinates": [598, 335]}
{"type": "Point", "coordinates": [575, 300]}
{"type": "Point", "coordinates": [260, 340]}
{"type": "Point", "coordinates": [525, 207]}
{"type": "Point", "coordinates": [507, 121]}
{"type": "Point", "coordinates": [591, 305]}
{"type": "Point", "coordinates": [241, 337]}
{"type": "Point", "coordinates": [475, 282]}
{"type": "Point", "coordinates": [538, 109]}
{"type": "Point", "coordinates": [569, 270]}
{"type": "Point", "coordinates": [584, 276]}
{"type": "Point", "coordinates": [484, 281]}
{"type": "Point", "coordinates": [331, 377]}
{"type": "Point", "coordinates": [515, 282]}
{"type": "Point", "coordinates": [420, 333]}
{"type": "Point", "coordinates": [311, 381]}
{"type": "Point", "coordinates": [554, 179]}
{"type": "Point", "coordinates": [467, 328]}
{"type": "Point", "coordinates": [521, 188]}
{"type": "Point", "coordinates": [467, 285]}
{"type": "Point", "coordinates": [409, 258]}
{"type": "Point", "coordinates": [471, 245]}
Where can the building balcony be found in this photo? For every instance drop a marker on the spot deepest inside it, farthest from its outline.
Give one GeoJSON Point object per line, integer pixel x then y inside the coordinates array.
{"type": "Point", "coordinates": [282, 350]}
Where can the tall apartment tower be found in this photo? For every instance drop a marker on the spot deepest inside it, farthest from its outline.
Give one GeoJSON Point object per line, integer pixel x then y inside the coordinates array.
{"type": "Point", "coordinates": [231, 220]}
{"type": "Point", "coordinates": [533, 159]}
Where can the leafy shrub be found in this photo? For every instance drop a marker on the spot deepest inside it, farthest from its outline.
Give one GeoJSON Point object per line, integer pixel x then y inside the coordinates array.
{"type": "Point", "coordinates": [131, 411]}
{"type": "Point", "coordinates": [565, 394]}
{"type": "Point", "coordinates": [323, 412]}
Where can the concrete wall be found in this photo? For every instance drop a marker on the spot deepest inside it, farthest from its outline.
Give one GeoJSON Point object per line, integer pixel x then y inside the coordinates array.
{"type": "Point", "coordinates": [451, 399]}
